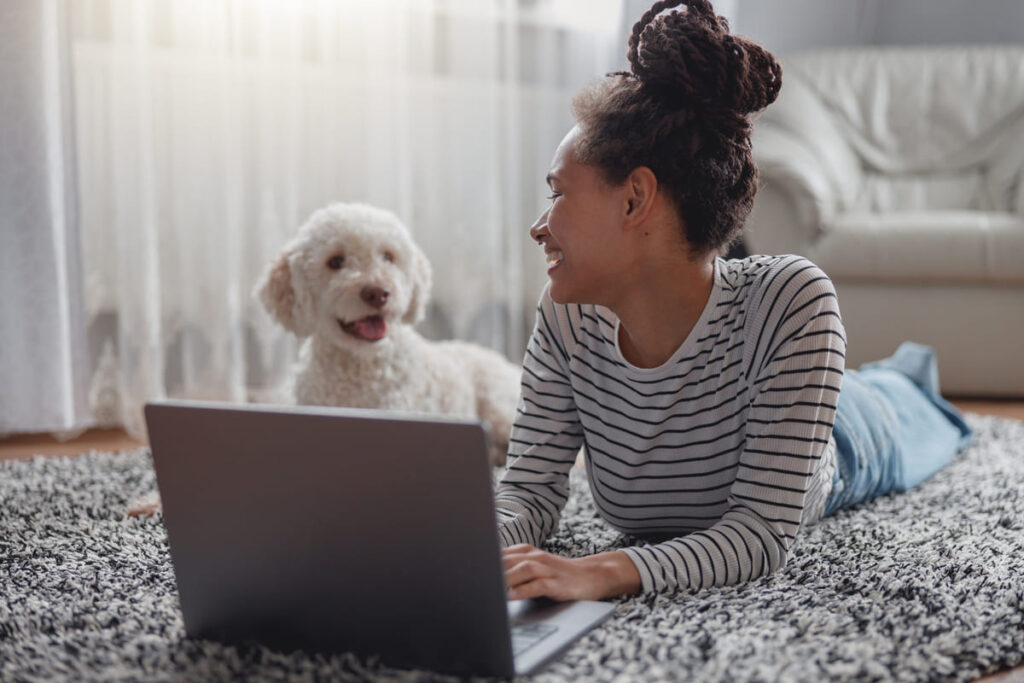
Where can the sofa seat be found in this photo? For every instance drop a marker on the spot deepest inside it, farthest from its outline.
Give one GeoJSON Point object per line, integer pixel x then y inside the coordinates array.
{"type": "Point", "coordinates": [923, 247]}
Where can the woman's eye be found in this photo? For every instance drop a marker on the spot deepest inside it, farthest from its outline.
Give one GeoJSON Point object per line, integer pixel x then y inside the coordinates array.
{"type": "Point", "coordinates": [389, 257]}
{"type": "Point", "coordinates": [336, 262]}
{"type": "Point", "coordinates": [554, 195]}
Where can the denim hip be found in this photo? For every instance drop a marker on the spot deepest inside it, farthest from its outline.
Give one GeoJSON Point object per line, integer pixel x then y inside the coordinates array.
{"type": "Point", "coordinates": [892, 427]}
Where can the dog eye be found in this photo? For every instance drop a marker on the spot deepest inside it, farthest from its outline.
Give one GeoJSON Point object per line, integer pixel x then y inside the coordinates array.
{"type": "Point", "coordinates": [335, 262]}
{"type": "Point", "coordinates": [389, 257]}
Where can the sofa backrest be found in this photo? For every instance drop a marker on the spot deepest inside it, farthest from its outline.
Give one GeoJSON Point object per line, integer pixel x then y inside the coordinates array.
{"type": "Point", "coordinates": [920, 128]}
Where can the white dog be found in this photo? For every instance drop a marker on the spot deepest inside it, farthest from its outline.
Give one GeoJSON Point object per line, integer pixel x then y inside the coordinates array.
{"type": "Point", "coordinates": [354, 283]}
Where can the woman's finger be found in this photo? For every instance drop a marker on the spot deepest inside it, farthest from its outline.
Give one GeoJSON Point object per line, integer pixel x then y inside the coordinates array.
{"type": "Point", "coordinates": [517, 553]}
{"type": "Point", "coordinates": [538, 588]}
{"type": "Point", "coordinates": [526, 571]}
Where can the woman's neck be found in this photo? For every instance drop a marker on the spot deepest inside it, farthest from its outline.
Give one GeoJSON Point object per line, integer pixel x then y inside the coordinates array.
{"type": "Point", "coordinates": [659, 309]}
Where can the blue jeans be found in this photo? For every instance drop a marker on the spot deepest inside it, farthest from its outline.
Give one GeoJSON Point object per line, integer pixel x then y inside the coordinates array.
{"type": "Point", "coordinates": [892, 429]}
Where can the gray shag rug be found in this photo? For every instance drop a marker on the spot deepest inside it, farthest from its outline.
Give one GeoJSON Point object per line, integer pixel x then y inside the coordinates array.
{"type": "Point", "coordinates": [927, 585]}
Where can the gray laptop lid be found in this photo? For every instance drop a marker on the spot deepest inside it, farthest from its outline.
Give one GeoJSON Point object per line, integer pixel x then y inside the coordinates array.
{"type": "Point", "coordinates": [282, 522]}
{"type": "Point", "coordinates": [346, 530]}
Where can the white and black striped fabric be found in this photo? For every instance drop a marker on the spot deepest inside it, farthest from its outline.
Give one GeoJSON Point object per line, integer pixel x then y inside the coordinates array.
{"type": "Point", "coordinates": [716, 456]}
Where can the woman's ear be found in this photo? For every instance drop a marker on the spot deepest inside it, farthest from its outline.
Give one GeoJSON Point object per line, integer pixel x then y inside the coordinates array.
{"type": "Point", "coordinates": [422, 279]}
{"type": "Point", "coordinates": [641, 188]}
{"type": "Point", "coordinates": [278, 293]}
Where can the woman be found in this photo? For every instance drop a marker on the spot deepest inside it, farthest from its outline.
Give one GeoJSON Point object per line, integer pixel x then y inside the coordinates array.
{"type": "Point", "coordinates": [706, 392]}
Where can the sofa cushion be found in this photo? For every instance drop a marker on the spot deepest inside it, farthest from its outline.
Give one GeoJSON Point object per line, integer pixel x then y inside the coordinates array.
{"type": "Point", "coordinates": [925, 113]}
{"type": "Point", "coordinates": [951, 190]}
{"type": "Point", "coordinates": [923, 246]}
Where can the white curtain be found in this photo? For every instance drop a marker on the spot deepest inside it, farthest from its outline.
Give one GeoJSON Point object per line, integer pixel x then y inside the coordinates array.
{"type": "Point", "coordinates": [208, 130]}
{"type": "Point", "coordinates": [43, 362]}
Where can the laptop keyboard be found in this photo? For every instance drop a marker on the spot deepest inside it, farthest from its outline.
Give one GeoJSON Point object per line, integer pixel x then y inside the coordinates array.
{"type": "Point", "coordinates": [526, 635]}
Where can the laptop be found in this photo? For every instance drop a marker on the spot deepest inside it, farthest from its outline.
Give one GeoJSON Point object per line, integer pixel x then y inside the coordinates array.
{"type": "Point", "coordinates": [347, 530]}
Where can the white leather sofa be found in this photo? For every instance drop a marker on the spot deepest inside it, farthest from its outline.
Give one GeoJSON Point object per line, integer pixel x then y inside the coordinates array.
{"type": "Point", "coordinates": [899, 172]}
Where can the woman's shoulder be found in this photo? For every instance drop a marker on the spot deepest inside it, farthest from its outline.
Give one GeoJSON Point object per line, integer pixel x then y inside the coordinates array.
{"type": "Point", "coordinates": [771, 277]}
{"type": "Point", "coordinates": [789, 299]}
{"type": "Point", "coordinates": [778, 291]}
{"type": "Point", "coordinates": [766, 267]}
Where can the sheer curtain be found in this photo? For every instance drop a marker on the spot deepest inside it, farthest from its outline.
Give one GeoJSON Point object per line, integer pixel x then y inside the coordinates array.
{"type": "Point", "coordinates": [43, 363]}
{"type": "Point", "coordinates": [208, 130]}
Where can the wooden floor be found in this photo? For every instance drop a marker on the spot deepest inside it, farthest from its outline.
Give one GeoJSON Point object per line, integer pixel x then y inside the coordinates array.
{"type": "Point", "coordinates": [24, 446]}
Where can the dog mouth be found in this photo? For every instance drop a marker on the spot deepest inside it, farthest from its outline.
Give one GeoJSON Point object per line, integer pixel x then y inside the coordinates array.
{"type": "Point", "coordinates": [372, 328]}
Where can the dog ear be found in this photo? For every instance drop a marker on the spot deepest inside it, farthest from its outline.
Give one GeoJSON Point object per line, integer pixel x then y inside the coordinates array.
{"type": "Point", "coordinates": [277, 292]}
{"type": "Point", "coordinates": [422, 279]}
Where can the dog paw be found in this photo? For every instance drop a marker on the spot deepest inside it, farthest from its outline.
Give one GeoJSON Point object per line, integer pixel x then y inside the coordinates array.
{"type": "Point", "coordinates": [498, 456]}
{"type": "Point", "coordinates": [147, 505]}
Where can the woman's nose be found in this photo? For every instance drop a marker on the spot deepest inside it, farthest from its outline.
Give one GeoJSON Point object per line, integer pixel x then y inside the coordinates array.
{"type": "Point", "coordinates": [540, 227]}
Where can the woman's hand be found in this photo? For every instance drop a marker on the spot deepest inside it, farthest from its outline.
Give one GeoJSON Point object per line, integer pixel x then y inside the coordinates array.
{"type": "Point", "coordinates": [533, 573]}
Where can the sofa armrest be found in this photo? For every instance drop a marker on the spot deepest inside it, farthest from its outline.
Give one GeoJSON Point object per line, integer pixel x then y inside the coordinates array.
{"type": "Point", "coordinates": [801, 111]}
{"type": "Point", "coordinates": [795, 197]}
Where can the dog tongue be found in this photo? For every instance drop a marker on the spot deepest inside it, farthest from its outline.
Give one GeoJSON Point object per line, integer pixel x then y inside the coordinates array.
{"type": "Point", "coordinates": [372, 328]}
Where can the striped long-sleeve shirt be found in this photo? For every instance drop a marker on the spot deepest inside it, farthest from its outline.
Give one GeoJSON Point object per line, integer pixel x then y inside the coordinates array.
{"type": "Point", "coordinates": [717, 456]}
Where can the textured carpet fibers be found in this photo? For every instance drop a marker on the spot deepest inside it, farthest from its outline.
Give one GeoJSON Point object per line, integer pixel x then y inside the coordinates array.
{"type": "Point", "coordinates": [926, 585]}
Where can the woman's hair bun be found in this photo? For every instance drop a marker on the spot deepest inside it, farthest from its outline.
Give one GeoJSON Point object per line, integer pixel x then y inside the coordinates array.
{"type": "Point", "coordinates": [689, 59]}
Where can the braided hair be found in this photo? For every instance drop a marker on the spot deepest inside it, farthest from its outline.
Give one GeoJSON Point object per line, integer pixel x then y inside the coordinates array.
{"type": "Point", "coordinates": [683, 111]}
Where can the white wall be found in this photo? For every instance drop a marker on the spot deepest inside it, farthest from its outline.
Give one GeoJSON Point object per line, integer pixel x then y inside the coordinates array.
{"type": "Point", "coordinates": [952, 21]}
{"type": "Point", "coordinates": [793, 25]}
{"type": "Point", "coordinates": [785, 26]}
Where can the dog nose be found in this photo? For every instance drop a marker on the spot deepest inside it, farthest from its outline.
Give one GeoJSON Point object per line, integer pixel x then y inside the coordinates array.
{"type": "Point", "coordinates": [375, 296]}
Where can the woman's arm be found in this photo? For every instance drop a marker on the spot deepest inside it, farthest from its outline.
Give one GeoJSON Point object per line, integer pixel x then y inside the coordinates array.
{"type": "Point", "coordinates": [546, 436]}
